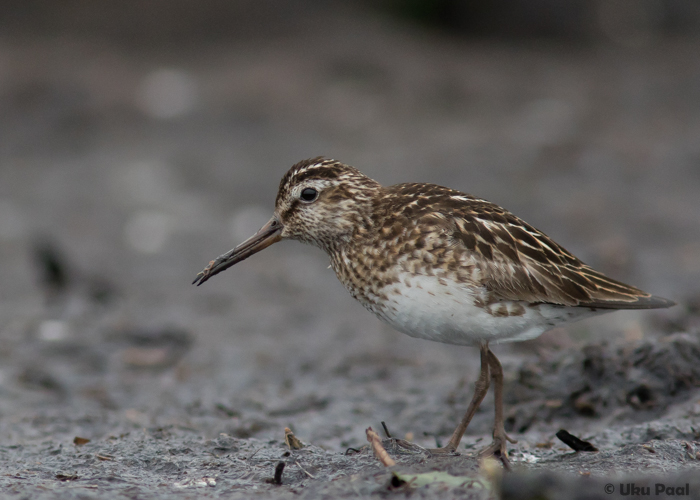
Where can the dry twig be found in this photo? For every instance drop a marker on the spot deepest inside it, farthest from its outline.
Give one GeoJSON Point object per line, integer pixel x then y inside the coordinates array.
{"type": "Point", "coordinates": [279, 469]}
{"type": "Point", "coordinates": [292, 441]}
{"type": "Point", "coordinates": [304, 470]}
{"type": "Point", "coordinates": [255, 453]}
{"type": "Point", "coordinates": [376, 442]}
{"type": "Point", "coordinates": [386, 430]}
{"type": "Point", "coordinates": [573, 442]}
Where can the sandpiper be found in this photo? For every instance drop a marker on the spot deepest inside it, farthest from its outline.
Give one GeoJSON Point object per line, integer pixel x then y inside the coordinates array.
{"type": "Point", "coordinates": [438, 264]}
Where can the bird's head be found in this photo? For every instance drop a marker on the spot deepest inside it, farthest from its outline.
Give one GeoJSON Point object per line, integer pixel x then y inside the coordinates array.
{"type": "Point", "coordinates": [319, 201]}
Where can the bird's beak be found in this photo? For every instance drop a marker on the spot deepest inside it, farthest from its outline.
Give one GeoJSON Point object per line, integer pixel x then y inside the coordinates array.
{"type": "Point", "coordinates": [267, 235]}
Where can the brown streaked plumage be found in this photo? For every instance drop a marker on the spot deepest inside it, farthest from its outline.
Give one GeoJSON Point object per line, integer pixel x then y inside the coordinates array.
{"type": "Point", "coordinates": [438, 264]}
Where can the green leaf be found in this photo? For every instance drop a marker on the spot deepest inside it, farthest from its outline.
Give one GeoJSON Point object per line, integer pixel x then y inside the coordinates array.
{"type": "Point", "coordinates": [427, 478]}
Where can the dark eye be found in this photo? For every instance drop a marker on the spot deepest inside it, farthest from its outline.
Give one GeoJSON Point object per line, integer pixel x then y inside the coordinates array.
{"type": "Point", "coordinates": [308, 195]}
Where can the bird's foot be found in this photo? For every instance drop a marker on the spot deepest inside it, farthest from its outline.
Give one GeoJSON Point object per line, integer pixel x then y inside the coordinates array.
{"type": "Point", "coordinates": [498, 447]}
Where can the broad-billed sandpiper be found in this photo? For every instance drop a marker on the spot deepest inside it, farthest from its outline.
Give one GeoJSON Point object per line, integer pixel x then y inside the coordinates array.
{"type": "Point", "coordinates": [438, 264]}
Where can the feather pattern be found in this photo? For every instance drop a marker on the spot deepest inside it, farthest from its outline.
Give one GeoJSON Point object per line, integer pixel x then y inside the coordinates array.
{"type": "Point", "coordinates": [508, 258]}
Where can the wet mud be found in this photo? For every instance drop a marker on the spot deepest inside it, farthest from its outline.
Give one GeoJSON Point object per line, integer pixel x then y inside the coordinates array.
{"type": "Point", "coordinates": [120, 379]}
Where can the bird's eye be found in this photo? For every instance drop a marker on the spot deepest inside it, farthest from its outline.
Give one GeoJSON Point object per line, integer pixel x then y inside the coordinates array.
{"type": "Point", "coordinates": [308, 195]}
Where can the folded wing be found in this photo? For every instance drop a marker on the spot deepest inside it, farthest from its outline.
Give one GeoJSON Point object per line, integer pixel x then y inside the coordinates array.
{"type": "Point", "coordinates": [519, 262]}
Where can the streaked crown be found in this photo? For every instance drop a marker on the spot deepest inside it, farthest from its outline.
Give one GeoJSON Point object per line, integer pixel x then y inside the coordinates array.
{"type": "Point", "coordinates": [323, 202]}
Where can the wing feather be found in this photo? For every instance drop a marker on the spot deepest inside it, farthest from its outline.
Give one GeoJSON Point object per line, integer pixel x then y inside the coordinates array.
{"type": "Point", "coordinates": [519, 262]}
{"type": "Point", "coordinates": [514, 260]}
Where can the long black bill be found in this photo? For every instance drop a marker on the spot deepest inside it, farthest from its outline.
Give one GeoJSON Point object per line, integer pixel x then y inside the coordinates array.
{"type": "Point", "coordinates": [267, 235]}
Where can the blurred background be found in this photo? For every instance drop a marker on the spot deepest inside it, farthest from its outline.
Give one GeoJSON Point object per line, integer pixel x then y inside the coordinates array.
{"type": "Point", "coordinates": [141, 139]}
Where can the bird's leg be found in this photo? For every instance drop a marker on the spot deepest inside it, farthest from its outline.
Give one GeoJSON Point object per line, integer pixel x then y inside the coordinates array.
{"type": "Point", "coordinates": [480, 389]}
{"type": "Point", "coordinates": [498, 446]}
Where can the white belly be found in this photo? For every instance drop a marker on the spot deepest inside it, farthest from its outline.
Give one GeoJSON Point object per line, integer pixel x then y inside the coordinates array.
{"type": "Point", "coordinates": [447, 313]}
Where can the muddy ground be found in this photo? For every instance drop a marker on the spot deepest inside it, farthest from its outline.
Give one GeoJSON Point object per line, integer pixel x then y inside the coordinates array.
{"type": "Point", "coordinates": [127, 163]}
